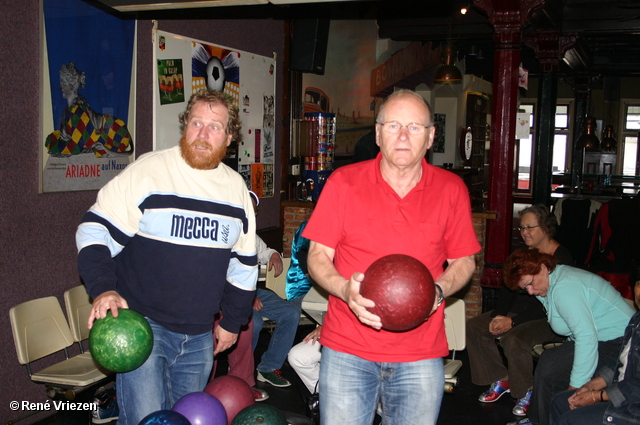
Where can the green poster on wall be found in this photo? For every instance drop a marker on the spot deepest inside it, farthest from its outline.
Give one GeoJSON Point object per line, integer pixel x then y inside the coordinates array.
{"type": "Point", "coordinates": [170, 81]}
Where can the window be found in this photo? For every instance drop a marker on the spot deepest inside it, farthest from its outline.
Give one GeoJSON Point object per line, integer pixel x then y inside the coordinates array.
{"type": "Point", "coordinates": [524, 153]}
{"type": "Point", "coordinates": [561, 139]}
{"type": "Point", "coordinates": [561, 145]}
{"type": "Point", "coordinates": [628, 152]}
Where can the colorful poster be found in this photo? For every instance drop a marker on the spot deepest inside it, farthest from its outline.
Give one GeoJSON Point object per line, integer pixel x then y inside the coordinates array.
{"type": "Point", "coordinates": [87, 121]}
{"type": "Point", "coordinates": [257, 179]}
{"type": "Point", "coordinates": [170, 81]}
{"type": "Point", "coordinates": [215, 68]}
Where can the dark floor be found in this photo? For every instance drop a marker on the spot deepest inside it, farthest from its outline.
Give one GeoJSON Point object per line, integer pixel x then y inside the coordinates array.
{"type": "Point", "coordinates": [459, 408]}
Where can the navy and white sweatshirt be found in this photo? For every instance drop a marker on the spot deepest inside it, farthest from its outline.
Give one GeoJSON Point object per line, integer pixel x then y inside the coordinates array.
{"type": "Point", "coordinates": [178, 244]}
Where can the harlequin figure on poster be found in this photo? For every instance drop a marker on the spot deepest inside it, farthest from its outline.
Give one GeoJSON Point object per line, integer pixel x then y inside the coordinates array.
{"type": "Point", "coordinates": [82, 130]}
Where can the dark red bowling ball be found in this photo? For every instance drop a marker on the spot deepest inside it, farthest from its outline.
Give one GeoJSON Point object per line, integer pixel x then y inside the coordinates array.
{"type": "Point", "coordinates": [233, 392]}
{"type": "Point", "coordinates": [403, 290]}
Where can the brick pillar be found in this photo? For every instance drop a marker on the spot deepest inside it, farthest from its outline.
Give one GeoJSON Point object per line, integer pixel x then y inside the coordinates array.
{"type": "Point", "coordinates": [294, 215]}
{"type": "Point", "coordinates": [473, 296]}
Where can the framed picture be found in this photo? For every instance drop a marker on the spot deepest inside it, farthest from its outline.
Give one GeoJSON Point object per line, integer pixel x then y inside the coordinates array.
{"type": "Point", "coordinates": [87, 96]}
{"type": "Point", "coordinates": [439, 121]}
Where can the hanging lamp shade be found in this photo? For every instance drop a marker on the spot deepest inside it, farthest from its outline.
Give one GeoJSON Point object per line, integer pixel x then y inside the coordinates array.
{"type": "Point", "coordinates": [608, 143]}
{"type": "Point", "coordinates": [589, 139]}
{"type": "Point", "coordinates": [448, 72]}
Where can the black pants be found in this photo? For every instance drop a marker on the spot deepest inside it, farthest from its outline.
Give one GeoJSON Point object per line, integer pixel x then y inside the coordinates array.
{"type": "Point", "coordinates": [553, 372]}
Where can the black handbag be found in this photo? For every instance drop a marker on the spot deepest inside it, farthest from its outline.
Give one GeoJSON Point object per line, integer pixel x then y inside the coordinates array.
{"type": "Point", "coordinates": [313, 404]}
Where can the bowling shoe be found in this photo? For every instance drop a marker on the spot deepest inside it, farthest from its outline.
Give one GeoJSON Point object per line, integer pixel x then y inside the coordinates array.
{"type": "Point", "coordinates": [107, 408]}
{"type": "Point", "coordinates": [274, 377]}
{"type": "Point", "coordinates": [259, 395]}
{"type": "Point", "coordinates": [520, 409]}
{"type": "Point", "coordinates": [495, 391]}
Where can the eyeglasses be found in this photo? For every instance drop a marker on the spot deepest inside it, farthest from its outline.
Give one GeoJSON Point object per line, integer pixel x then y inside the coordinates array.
{"type": "Point", "coordinates": [413, 128]}
{"type": "Point", "coordinates": [527, 228]}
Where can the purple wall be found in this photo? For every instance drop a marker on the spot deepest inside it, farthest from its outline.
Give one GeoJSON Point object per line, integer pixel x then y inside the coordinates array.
{"type": "Point", "coordinates": [37, 230]}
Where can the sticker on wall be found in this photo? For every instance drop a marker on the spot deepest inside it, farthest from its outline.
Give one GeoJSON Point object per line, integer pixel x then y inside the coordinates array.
{"type": "Point", "coordinates": [522, 125]}
{"type": "Point", "coordinates": [268, 183]}
{"type": "Point", "coordinates": [245, 172]}
{"type": "Point", "coordinates": [246, 103]}
{"type": "Point", "coordinates": [269, 111]}
{"type": "Point", "coordinates": [268, 146]}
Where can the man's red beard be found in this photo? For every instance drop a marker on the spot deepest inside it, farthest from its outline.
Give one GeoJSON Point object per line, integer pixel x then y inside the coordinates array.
{"type": "Point", "coordinates": [201, 160]}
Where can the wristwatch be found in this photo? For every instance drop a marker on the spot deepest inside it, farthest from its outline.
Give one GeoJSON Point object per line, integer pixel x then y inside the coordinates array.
{"type": "Point", "coordinates": [440, 294]}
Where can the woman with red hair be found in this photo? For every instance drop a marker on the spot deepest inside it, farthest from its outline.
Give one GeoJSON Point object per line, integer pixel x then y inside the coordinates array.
{"type": "Point", "coordinates": [581, 306]}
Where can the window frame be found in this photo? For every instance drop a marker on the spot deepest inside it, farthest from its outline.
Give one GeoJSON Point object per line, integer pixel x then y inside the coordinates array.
{"type": "Point", "coordinates": [624, 133]}
{"type": "Point", "coordinates": [568, 132]}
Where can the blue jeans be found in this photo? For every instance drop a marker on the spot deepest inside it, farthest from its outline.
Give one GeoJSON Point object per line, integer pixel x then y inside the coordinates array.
{"type": "Point", "coordinates": [351, 387]}
{"type": "Point", "coordinates": [553, 374]}
{"type": "Point", "coordinates": [286, 314]}
{"type": "Point", "coordinates": [179, 364]}
{"type": "Point", "coordinates": [561, 414]}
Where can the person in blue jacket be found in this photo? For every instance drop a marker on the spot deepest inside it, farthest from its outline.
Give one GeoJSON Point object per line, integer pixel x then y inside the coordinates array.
{"type": "Point", "coordinates": [613, 396]}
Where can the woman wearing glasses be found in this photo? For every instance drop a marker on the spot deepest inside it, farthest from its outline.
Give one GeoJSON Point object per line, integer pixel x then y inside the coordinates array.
{"type": "Point", "coordinates": [581, 306]}
{"type": "Point", "coordinates": [519, 321]}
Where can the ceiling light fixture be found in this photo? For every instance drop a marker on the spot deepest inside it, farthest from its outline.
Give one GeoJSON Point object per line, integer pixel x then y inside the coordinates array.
{"type": "Point", "coordinates": [609, 142]}
{"type": "Point", "coordinates": [589, 140]}
{"type": "Point", "coordinates": [448, 72]}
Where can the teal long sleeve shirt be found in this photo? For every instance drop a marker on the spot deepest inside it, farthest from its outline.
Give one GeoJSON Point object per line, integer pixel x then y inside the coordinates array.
{"type": "Point", "coordinates": [587, 309]}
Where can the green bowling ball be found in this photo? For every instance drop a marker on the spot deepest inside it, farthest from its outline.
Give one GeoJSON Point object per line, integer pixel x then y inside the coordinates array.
{"type": "Point", "coordinates": [122, 343]}
{"type": "Point", "coordinates": [262, 414]}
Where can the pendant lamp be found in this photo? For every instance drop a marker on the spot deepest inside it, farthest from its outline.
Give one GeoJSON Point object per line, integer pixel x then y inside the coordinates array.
{"type": "Point", "coordinates": [448, 72]}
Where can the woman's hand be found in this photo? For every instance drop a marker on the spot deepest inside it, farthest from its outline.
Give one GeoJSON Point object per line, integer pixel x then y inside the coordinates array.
{"type": "Point", "coordinates": [589, 393]}
{"type": "Point", "coordinates": [314, 336]}
{"type": "Point", "coordinates": [500, 325]}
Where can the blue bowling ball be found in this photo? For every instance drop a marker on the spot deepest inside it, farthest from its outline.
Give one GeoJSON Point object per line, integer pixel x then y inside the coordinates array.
{"type": "Point", "coordinates": [165, 417]}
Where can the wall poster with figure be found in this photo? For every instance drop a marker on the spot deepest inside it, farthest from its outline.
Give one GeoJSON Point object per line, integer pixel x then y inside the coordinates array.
{"type": "Point", "coordinates": [87, 113]}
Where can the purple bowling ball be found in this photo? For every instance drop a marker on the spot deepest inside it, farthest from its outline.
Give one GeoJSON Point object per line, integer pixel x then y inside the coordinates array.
{"type": "Point", "coordinates": [165, 417]}
{"type": "Point", "coordinates": [201, 408]}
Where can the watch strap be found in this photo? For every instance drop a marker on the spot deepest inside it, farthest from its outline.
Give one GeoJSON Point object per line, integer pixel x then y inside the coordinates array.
{"type": "Point", "coordinates": [439, 294]}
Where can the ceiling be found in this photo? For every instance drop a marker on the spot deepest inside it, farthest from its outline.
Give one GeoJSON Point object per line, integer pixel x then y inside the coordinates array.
{"type": "Point", "coordinates": [607, 31]}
